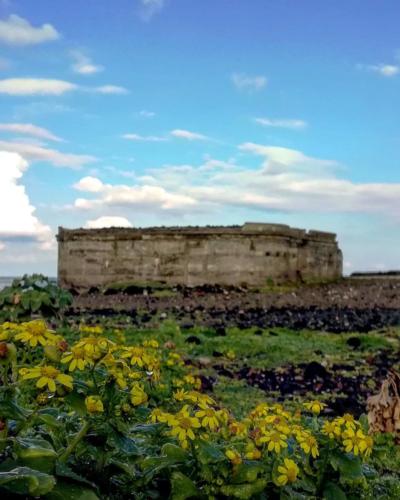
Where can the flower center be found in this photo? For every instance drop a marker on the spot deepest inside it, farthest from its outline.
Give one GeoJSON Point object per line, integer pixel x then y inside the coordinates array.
{"type": "Point", "coordinates": [49, 372]}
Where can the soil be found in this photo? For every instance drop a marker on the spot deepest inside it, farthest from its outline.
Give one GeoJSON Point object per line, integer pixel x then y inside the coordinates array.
{"type": "Point", "coordinates": [350, 305]}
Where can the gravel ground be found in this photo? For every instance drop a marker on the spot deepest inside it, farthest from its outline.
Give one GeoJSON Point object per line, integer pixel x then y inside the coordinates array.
{"type": "Point", "coordinates": [350, 305]}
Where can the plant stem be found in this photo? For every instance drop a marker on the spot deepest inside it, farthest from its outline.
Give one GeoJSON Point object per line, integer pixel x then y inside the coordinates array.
{"type": "Point", "coordinates": [74, 443]}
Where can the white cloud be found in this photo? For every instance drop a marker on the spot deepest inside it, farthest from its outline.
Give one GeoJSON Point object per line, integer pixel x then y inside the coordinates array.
{"type": "Point", "coordinates": [107, 221]}
{"type": "Point", "coordinates": [186, 134]}
{"type": "Point", "coordinates": [31, 130]}
{"type": "Point", "coordinates": [35, 86]}
{"type": "Point", "coordinates": [147, 114]}
{"type": "Point", "coordinates": [111, 89]}
{"type": "Point", "coordinates": [386, 70]}
{"type": "Point", "coordinates": [83, 64]}
{"type": "Point", "coordinates": [246, 82]}
{"type": "Point", "coordinates": [151, 7]}
{"type": "Point", "coordinates": [154, 198]}
{"type": "Point", "coordinates": [17, 31]}
{"type": "Point", "coordinates": [34, 152]}
{"type": "Point", "coordinates": [89, 184]}
{"type": "Point", "coordinates": [43, 86]}
{"type": "Point", "coordinates": [282, 123]}
{"type": "Point", "coordinates": [2, 246]}
{"type": "Point", "coordinates": [144, 138]}
{"type": "Point", "coordinates": [20, 222]}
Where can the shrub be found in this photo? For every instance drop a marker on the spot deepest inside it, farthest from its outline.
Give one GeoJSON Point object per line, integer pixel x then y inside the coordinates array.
{"type": "Point", "coordinates": [33, 294]}
{"type": "Point", "coordinates": [100, 417]}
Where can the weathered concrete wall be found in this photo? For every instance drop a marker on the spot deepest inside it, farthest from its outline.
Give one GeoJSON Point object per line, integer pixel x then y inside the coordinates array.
{"type": "Point", "coordinates": [249, 254]}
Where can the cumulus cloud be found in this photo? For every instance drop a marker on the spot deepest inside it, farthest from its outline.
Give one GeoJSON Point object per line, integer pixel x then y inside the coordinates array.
{"type": "Point", "coordinates": [246, 82]}
{"type": "Point", "coordinates": [31, 130]}
{"type": "Point", "coordinates": [186, 134]}
{"type": "Point", "coordinates": [150, 7]}
{"type": "Point", "coordinates": [44, 86]}
{"type": "Point", "coordinates": [35, 152]}
{"type": "Point", "coordinates": [145, 196]}
{"type": "Point", "coordinates": [83, 64]}
{"type": "Point", "coordinates": [21, 222]}
{"type": "Point", "coordinates": [385, 70]}
{"type": "Point", "coordinates": [286, 181]}
{"type": "Point", "coordinates": [17, 31]}
{"type": "Point", "coordinates": [282, 123]}
{"type": "Point", "coordinates": [35, 86]}
{"type": "Point", "coordinates": [144, 138]}
{"type": "Point", "coordinates": [89, 184]}
{"type": "Point", "coordinates": [108, 221]}
{"type": "Point", "coordinates": [111, 89]}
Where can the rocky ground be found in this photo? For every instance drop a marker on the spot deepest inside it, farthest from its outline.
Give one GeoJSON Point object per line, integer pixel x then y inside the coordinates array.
{"type": "Point", "coordinates": [360, 305]}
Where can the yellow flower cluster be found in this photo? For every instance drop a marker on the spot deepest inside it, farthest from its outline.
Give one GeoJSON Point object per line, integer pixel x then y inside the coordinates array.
{"type": "Point", "coordinates": [348, 431]}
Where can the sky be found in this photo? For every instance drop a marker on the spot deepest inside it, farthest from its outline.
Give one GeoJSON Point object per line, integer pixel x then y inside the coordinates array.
{"type": "Point", "coordinates": [180, 112]}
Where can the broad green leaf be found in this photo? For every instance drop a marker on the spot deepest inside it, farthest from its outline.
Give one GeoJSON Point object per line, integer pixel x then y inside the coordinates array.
{"type": "Point", "coordinates": [26, 481]}
{"type": "Point", "coordinates": [208, 453]}
{"type": "Point", "coordinates": [244, 491]}
{"type": "Point", "coordinates": [174, 452]}
{"type": "Point", "coordinates": [333, 492]}
{"type": "Point", "coordinates": [349, 466]}
{"type": "Point", "coordinates": [66, 490]}
{"type": "Point", "coordinates": [182, 487]}
{"type": "Point", "coordinates": [247, 472]}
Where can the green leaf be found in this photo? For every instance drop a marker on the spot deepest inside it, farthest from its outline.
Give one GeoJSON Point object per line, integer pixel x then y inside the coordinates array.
{"type": "Point", "coordinates": [77, 402]}
{"type": "Point", "coordinates": [10, 410]}
{"type": "Point", "coordinates": [174, 452]}
{"type": "Point", "coordinates": [35, 453]}
{"type": "Point", "coordinates": [70, 491]}
{"type": "Point", "coordinates": [244, 491]}
{"type": "Point", "coordinates": [333, 492]}
{"type": "Point", "coordinates": [247, 472]}
{"type": "Point", "coordinates": [123, 443]}
{"type": "Point", "coordinates": [26, 481]}
{"type": "Point", "coordinates": [349, 466]}
{"type": "Point", "coordinates": [208, 453]}
{"type": "Point", "coordinates": [63, 470]}
{"type": "Point", "coordinates": [182, 487]}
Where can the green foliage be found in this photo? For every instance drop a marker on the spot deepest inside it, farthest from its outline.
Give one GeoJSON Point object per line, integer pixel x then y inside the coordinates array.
{"type": "Point", "coordinates": [33, 294]}
{"type": "Point", "coordinates": [55, 445]}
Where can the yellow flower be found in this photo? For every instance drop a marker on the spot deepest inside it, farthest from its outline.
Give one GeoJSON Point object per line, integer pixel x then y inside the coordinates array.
{"type": "Point", "coordinates": [78, 358]}
{"type": "Point", "coordinates": [357, 442]}
{"type": "Point", "coordinates": [183, 424]}
{"type": "Point", "coordinates": [8, 330]}
{"type": "Point", "coordinates": [94, 404]}
{"type": "Point", "coordinates": [308, 443]}
{"type": "Point", "coordinates": [136, 355]}
{"type": "Point", "coordinates": [348, 421]}
{"type": "Point", "coordinates": [151, 343]}
{"type": "Point", "coordinates": [315, 407]}
{"type": "Point", "coordinates": [288, 472]}
{"type": "Point", "coordinates": [119, 377]}
{"type": "Point", "coordinates": [95, 347]}
{"type": "Point", "coordinates": [231, 354]}
{"type": "Point", "coordinates": [260, 410]}
{"type": "Point", "coordinates": [233, 456]}
{"type": "Point", "coordinates": [180, 395]}
{"type": "Point", "coordinates": [34, 333]}
{"type": "Point", "coordinates": [138, 396]}
{"type": "Point", "coordinates": [252, 453]}
{"type": "Point", "coordinates": [276, 441]}
{"type": "Point", "coordinates": [158, 415]}
{"type": "Point", "coordinates": [331, 429]}
{"type": "Point", "coordinates": [201, 399]}
{"type": "Point", "coordinates": [192, 380]}
{"type": "Point", "coordinates": [209, 418]}
{"type": "Point", "coordinates": [238, 429]}
{"type": "Point", "coordinates": [48, 376]}
{"type": "Point", "coordinates": [97, 330]}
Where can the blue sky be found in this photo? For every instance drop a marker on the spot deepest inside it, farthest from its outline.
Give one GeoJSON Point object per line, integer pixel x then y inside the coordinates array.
{"type": "Point", "coordinates": [156, 112]}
